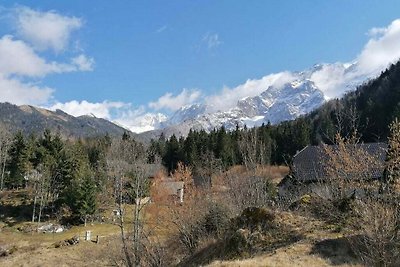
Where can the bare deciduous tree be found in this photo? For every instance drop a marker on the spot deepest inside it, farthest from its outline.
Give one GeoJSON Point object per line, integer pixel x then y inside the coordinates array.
{"type": "Point", "coordinates": [126, 164]}
{"type": "Point", "coordinates": [252, 149]}
{"type": "Point", "coordinates": [349, 167]}
{"type": "Point", "coordinates": [36, 180]}
{"type": "Point", "coordinates": [248, 190]}
{"type": "Point", "coordinates": [375, 213]}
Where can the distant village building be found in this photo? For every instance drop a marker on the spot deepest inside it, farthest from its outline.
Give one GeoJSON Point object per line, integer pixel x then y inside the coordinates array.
{"type": "Point", "coordinates": [308, 169]}
{"type": "Point", "coordinates": [173, 188]}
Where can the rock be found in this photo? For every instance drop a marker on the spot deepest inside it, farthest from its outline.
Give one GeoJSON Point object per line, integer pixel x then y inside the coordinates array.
{"type": "Point", "coordinates": [51, 228]}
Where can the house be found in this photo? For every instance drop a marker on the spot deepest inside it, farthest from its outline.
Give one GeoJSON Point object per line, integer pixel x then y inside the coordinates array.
{"type": "Point", "coordinates": [173, 188]}
{"type": "Point", "coordinates": [309, 172]}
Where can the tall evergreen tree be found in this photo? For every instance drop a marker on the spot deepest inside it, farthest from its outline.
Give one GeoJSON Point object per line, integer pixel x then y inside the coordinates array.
{"type": "Point", "coordinates": [18, 161]}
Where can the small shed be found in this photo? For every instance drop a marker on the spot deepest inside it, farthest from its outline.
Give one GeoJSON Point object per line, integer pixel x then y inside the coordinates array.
{"type": "Point", "coordinates": [174, 188]}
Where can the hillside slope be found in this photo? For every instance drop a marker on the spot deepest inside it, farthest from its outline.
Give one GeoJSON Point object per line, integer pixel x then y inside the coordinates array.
{"type": "Point", "coordinates": [29, 119]}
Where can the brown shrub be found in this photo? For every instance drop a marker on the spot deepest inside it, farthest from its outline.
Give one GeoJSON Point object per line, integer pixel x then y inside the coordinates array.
{"type": "Point", "coordinates": [379, 241]}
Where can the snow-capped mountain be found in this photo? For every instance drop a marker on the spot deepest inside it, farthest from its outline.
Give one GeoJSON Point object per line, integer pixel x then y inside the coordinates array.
{"type": "Point", "coordinates": [280, 104]}
{"type": "Point", "coordinates": [185, 113]}
{"type": "Point", "coordinates": [147, 122]}
{"type": "Point", "coordinates": [273, 98]}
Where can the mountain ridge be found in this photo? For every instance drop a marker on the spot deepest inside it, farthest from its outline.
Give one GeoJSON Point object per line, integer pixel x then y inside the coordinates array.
{"type": "Point", "coordinates": [34, 120]}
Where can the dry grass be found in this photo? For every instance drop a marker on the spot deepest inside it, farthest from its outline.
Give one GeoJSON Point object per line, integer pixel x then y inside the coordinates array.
{"type": "Point", "coordinates": [298, 254]}
{"type": "Point", "coordinates": [307, 252]}
{"type": "Point", "coordinates": [44, 254]}
{"type": "Point", "coordinates": [37, 249]}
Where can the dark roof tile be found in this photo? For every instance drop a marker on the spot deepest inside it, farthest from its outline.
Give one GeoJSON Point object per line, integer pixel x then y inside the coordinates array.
{"type": "Point", "coordinates": [308, 164]}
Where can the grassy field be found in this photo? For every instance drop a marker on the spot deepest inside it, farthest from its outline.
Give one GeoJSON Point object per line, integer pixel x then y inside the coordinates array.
{"type": "Point", "coordinates": [320, 247]}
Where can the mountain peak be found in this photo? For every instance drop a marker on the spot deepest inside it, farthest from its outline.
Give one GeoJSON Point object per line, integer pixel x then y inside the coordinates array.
{"type": "Point", "coordinates": [279, 99]}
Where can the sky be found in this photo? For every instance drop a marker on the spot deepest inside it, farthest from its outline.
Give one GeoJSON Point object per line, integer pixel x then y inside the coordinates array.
{"type": "Point", "coordinates": [122, 59]}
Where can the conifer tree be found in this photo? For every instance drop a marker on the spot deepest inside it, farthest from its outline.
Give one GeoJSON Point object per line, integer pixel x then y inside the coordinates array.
{"type": "Point", "coordinates": [392, 170]}
{"type": "Point", "coordinates": [17, 161]}
{"type": "Point", "coordinates": [86, 198]}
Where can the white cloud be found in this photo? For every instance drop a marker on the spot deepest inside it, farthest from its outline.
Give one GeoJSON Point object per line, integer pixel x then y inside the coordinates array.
{"type": "Point", "coordinates": [18, 58]}
{"type": "Point", "coordinates": [228, 97]}
{"type": "Point", "coordinates": [16, 92]}
{"type": "Point", "coordinates": [171, 102]}
{"type": "Point", "coordinates": [211, 40]}
{"type": "Point", "coordinates": [78, 108]}
{"type": "Point", "coordinates": [83, 63]}
{"type": "Point", "coordinates": [45, 30]}
{"type": "Point", "coordinates": [382, 49]}
{"type": "Point", "coordinates": [331, 79]}
{"type": "Point", "coordinates": [376, 32]}
{"type": "Point", "coordinates": [21, 65]}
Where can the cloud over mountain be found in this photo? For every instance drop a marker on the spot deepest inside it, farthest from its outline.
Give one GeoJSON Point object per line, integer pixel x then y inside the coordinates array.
{"type": "Point", "coordinates": [175, 102]}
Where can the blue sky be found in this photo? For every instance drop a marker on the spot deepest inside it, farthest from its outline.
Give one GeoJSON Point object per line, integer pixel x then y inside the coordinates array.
{"type": "Point", "coordinates": [134, 52]}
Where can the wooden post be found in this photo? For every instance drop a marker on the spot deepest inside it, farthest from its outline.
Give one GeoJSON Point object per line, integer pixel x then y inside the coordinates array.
{"type": "Point", "coordinates": [180, 195]}
{"type": "Point", "coordinates": [97, 239]}
{"type": "Point", "coordinates": [88, 235]}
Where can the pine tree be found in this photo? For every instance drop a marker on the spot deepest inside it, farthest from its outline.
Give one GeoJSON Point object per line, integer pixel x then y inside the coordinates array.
{"type": "Point", "coordinates": [392, 170]}
{"type": "Point", "coordinates": [17, 161]}
{"type": "Point", "coordinates": [172, 154]}
{"type": "Point", "coordinates": [86, 198]}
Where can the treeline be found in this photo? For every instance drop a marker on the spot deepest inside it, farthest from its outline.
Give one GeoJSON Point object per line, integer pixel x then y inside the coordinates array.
{"type": "Point", "coordinates": [262, 145]}
{"type": "Point", "coordinates": [267, 144]}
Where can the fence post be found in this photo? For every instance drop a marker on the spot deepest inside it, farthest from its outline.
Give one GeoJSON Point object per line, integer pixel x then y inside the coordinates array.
{"type": "Point", "coordinates": [88, 235]}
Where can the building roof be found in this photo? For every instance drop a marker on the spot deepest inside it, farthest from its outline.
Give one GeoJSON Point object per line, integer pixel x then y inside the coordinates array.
{"type": "Point", "coordinates": [309, 163]}
{"type": "Point", "coordinates": [172, 187]}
